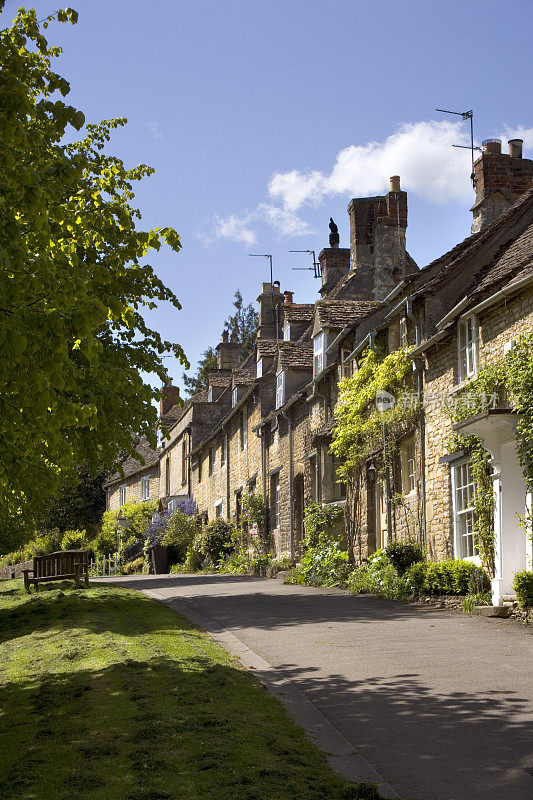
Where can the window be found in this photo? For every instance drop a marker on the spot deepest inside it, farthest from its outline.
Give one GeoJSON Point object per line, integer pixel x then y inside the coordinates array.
{"type": "Point", "coordinates": [211, 460]}
{"type": "Point", "coordinates": [463, 510]}
{"type": "Point", "coordinates": [280, 389]}
{"type": "Point", "coordinates": [260, 368]}
{"type": "Point", "coordinates": [224, 450]}
{"type": "Point", "coordinates": [467, 347]}
{"type": "Point", "coordinates": [122, 494]}
{"type": "Point", "coordinates": [184, 461]}
{"type": "Point", "coordinates": [318, 357]}
{"type": "Point", "coordinates": [314, 465]}
{"type": "Point", "coordinates": [244, 430]}
{"type": "Point", "coordinates": [218, 509]}
{"type": "Point", "coordinates": [404, 341]}
{"type": "Point", "coordinates": [346, 369]}
{"type": "Point", "coordinates": [234, 397]}
{"type": "Point", "coordinates": [210, 395]}
{"type": "Point", "coordinates": [145, 488]}
{"type": "Point", "coordinates": [252, 485]}
{"type": "Point", "coordinates": [408, 463]}
{"type": "Point", "coordinates": [287, 333]}
{"type": "Point", "coordinates": [238, 507]}
{"type": "Point", "coordinates": [274, 500]}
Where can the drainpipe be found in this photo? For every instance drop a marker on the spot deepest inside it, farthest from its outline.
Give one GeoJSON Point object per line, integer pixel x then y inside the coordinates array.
{"type": "Point", "coordinates": [225, 434]}
{"type": "Point", "coordinates": [261, 433]}
{"type": "Point", "coordinates": [291, 514]}
{"type": "Point", "coordinates": [189, 448]}
{"type": "Point", "coordinates": [419, 367]}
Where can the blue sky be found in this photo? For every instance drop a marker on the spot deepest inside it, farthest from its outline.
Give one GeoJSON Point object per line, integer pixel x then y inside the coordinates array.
{"type": "Point", "coordinates": [263, 118]}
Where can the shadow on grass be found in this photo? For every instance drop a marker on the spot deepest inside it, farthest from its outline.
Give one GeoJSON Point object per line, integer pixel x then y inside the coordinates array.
{"type": "Point", "coordinates": [152, 730]}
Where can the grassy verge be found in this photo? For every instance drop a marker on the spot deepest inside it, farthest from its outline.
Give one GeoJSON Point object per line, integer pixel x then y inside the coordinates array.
{"type": "Point", "coordinates": [106, 695]}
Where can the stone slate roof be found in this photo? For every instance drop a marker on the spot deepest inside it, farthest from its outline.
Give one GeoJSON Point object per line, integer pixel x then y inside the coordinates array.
{"type": "Point", "coordinates": [340, 313]}
{"type": "Point", "coordinates": [516, 263]}
{"type": "Point", "coordinates": [296, 355]}
{"type": "Point", "coordinates": [267, 348]}
{"type": "Point", "coordinates": [298, 314]}
{"type": "Point", "coordinates": [219, 379]}
{"type": "Point", "coordinates": [324, 431]}
{"type": "Point", "coordinates": [244, 376]}
{"type": "Point", "coordinates": [130, 465]}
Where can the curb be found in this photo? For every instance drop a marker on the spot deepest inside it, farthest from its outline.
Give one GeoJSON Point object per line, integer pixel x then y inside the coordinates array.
{"type": "Point", "coordinates": [340, 753]}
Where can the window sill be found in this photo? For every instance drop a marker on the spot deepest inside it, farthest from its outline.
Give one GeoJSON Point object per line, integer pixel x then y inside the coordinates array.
{"type": "Point", "coordinates": [460, 386]}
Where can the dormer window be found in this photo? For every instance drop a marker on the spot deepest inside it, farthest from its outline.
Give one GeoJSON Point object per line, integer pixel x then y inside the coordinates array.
{"type": "Point", "coordinates": [210, 395]}
{"type": "Point", "coordinates": [287, 333]}
{"type": "Point", "coordinates": [234, 396]}
{"type": "Point", "coordinates": [260, 368]}
{"type": "Point", "coordinates": [318, 354]}
{"type": "Point", "coordinates": [280, 389]}
{"type": "Point", "coordinates": [467, 348]}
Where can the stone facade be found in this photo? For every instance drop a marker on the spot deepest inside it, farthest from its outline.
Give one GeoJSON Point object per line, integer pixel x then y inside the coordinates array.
{"type": "Point", "coordinates": [266, 423]}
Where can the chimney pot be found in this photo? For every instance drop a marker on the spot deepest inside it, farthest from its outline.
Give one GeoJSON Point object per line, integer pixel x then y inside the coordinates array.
{"type": "Point", "coordinates": [492, 146]}
{"type": "Point", "coordinates": [224, 336]}
{"type": "Point", "coordinates": [395, 183]}
{"type": "Point", "coordinates": [515, 148]}
{"type": "Point", "coordinates": [276, 285]}
{"type": "Point", "coordinates": [288, 297]}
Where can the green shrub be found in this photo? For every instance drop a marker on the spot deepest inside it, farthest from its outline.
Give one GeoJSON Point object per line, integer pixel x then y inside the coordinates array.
{"type": "Point", "coordinates": [403, 554]}
{"type": "Point", "coordinates": [319, 519]}
{"type": "Point", "coordinates": [180, 532]}
{"type": "Point", "coordinates": [455, 577]}
{"type": "Point", "coordinates": [378, 577]}
{"type": "Point", "coordinates": [133, 567]}
{"type": "Point", "coordinates": [216, 539]}
{"type": "Point", "coordinates": [74, 540]}
{"type": "Point", "coordinates": [414, 577]}
{"type": "Point", "coordinates": [470, 601]}
{"type": "Point", "coordinates": [523, 586]}
{"type": "Point", "coordinates": [139, 516]}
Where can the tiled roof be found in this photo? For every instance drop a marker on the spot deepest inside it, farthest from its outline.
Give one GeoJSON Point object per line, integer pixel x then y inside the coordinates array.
{"type": "Point", "coordinates": [219, 379]}
{"type": "Point", "coordinates": [267, 348]}
{"type": "Point", "coordinates": [296, 355]}
{"type": "Point", "coordinates": [298, 314]}
{"type": "Point", "coordinates": [244, 376]}
{"type": "Point", "coordinates": [340, 313]}
{"type": "Point", "coordinates": [516, 263]}
{"type": "Point", "coordinates": [131, 466]}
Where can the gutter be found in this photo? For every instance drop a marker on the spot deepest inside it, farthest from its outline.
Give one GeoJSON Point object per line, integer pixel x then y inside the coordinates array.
{"type": "Point", "coordinates": [435, 339]}
{"type": "Point", "coordinates": [509, 289]}
{"type": "Point", "coordinates": [456, 310]}
{"type": "Point", "coordinates": [341, 335]}
{"type": "Point", "coordinates": [368, 338]}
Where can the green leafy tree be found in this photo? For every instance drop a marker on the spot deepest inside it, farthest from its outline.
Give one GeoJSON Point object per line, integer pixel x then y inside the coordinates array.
{"type": "Point", "coordinates": [199, 382]}
{"type": "Point", "coordinates": [73, 287]}
{"type": "Point", "coordinates": [244, 323]}
{"type": "Point", "coordinates": [78, 504]}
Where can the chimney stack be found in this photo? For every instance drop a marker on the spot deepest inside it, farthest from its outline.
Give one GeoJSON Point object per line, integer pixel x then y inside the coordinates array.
{"type": "Point", "coordinates": [500, 179]}
{"type": "Point", "coordinates": [377, 242]}
{"type": "Point", "coordinates": [288, 297]}
{"type": "Point", "coordinates": [169, 397]}
{"type": "Point", "coordinates": [269, 315]}
{"type": "Point", "coordinates": [228, 351]}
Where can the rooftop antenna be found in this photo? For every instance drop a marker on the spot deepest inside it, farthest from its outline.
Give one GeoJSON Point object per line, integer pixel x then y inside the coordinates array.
{"type": "Point", "coordinates": [465, 115]}
{"type": "Point", "coordinates": [274, 307]}
{"type": "Point", "coordinates": [316, 264]}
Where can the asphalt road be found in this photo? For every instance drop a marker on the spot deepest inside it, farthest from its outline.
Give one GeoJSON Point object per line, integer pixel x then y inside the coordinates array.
{"type": "Point", "coordinates": [439, 703]}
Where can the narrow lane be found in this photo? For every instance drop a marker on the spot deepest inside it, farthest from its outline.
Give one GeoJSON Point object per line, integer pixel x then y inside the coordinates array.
{"type": "Point", "coordinates": [440, 703]}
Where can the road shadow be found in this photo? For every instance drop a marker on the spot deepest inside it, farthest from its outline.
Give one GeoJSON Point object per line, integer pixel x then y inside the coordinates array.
{"type": "Point", "coordinates": [435, 746]}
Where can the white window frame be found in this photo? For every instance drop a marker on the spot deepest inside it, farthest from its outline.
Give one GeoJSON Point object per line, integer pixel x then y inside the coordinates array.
{"type": "Point", "coordinates": [274, 484]}
{"type": "Point", "coordinates": [280, 389]}
{"type": "Point", "coordinates": [122, 494]}
{"type": "Point", "coordinates": [259, 367]}
{"type": "Point", "coordinates": [145, 488]}
{"type": "Point", "coordinates": [287, 333]}
{"type": "Point", "coordinates": [218, 509]}
{"type": "Point", "coordinates": [224, 450]}
{"type": "Point", "coordinates": [210, 395]}
{"type": "Point", "coordinates": [234, 397]}
{"type": "Point", "coordinates": [318, 353]}
{"type": "Point", "coordinates": [404, 333]}
{"type": "Point", "coordinates": [346, 369]}
{"type": "Point", "coordinates": [463, 488]}
{"type": "Point", "coordinates": [467, 347]}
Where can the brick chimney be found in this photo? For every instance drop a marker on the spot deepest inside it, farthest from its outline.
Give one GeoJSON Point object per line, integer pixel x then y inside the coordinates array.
{"type": "Point", "coordinates": [500, 179]}
{"type": "Point", "coordinates": [269, 313]}
{"type": "Point", "coordinates": [377, 242]}
{"type": "Point", "coordinates": [288, 298]}
{"type": "Point", "coordinates": [169, 396]}
{"type": "Point", "coordinates": [228, 351]}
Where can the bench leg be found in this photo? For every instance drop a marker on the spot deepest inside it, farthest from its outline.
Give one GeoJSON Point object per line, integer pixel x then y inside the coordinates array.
{"type": "Point", "coordinates": [87, 579]}
{"type": "Point", "coordinates": [77, 577]}
{"type": "Point", "coordinates": [26, 582]}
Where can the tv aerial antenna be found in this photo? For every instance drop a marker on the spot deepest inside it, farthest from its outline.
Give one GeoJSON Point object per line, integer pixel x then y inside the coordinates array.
{"type": "Point", "coordinates": [275, 309]}
{"type": "Point", "coordinates": [316, 264]}
{"type": "Point", "coordinates": [466, 115]}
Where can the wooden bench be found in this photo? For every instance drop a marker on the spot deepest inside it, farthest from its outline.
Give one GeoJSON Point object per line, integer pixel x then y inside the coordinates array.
{"type": "Point", "coordinates": [60, 566]}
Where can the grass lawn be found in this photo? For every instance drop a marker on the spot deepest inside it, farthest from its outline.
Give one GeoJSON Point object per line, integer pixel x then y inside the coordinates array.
{"type": "Point", "coordinates": [107, 695]}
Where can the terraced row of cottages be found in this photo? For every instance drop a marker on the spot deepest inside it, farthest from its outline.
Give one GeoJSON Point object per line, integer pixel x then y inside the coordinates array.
{"type": "Point", "coordinates": [265, 424]}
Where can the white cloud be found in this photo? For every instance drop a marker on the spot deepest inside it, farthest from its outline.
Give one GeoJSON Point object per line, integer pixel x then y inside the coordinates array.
{"type": "Point", "coordinates": [421, 153]}
{"type": "Point", "coordinates": [238, 228]}
{"type": "Point", "coordinates": [153, 127]}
